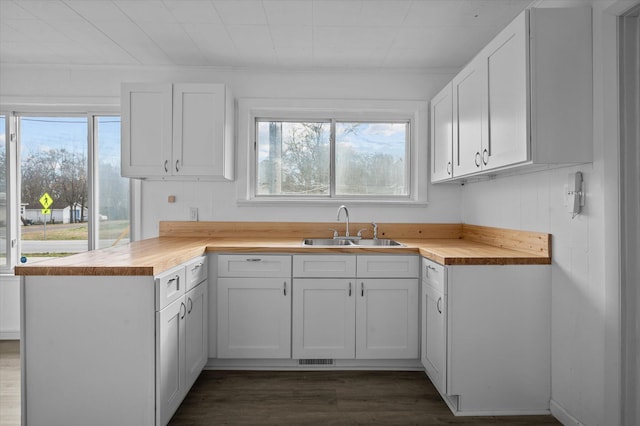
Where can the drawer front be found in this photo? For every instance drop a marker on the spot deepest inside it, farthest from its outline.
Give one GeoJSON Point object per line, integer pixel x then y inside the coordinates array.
{"type": "Point", "coordinates": [254, 266]}
{"type": "Point", "coordinates": [170, 286]}
{"type": "Point", "coordinates": [196, 270]}
{"type": "Point", "coordinates": [434, 275]}
{"type": "Point", "coordinates": [324, 266]}
{"type": "Point", "coordinates": [382, 266]}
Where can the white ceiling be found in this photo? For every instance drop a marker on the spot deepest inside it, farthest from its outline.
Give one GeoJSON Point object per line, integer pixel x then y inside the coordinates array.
{"type": "Point", "coordinates": [251, 33]}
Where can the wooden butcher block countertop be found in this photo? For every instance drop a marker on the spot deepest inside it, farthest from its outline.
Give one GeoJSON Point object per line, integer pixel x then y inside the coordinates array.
{"type": "Point", "coordinates": [447, 244]}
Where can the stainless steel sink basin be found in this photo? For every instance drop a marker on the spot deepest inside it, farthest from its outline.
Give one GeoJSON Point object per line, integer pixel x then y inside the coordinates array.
{"type": "Point", "coordinates": [384, 242]}
{"type": "Point", "coordinates": [378, 242]}
{"type": "Point", "coordinates": [326, 242]}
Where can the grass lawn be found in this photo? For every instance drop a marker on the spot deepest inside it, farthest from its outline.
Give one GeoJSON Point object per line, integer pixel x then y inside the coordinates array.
{"type": "Point", "coordinates": [74, 231]}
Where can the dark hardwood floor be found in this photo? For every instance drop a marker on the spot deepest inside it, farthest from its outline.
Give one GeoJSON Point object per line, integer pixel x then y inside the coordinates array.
{"type": "Point", "coordinates": [324, 398]}
{"type": "Point", "coordinates": [292, 398]}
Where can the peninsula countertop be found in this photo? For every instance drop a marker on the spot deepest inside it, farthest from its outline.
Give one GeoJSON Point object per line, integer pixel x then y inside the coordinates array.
{"type": "Point", "coordinates": [471, 246]}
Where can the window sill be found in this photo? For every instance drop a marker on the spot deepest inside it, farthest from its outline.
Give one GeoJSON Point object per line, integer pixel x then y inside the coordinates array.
{"type": "Point", "coordinates": [281, 201]}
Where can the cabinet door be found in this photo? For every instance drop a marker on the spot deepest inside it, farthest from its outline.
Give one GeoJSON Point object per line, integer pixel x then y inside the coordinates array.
{"type": "Point", "coordinates": [146, 129]}
{"type": "Point", "coordinates": [387, 319]}
{"type": "Point", "coordinates": [442, 135]}
{"type": "Point", "coordinates": [469, 106]}
{"type": "Point", "coordinates": [170, 359]}
{"type": "Point", "coordinates": [254, 318]}
{"type": "Point", "coordinates": [324, 318]}
{"type": "Point", "coordinates": [197, 344]}
{"type": "Point", "coordinates": [507, 64]}
{"type": "Point", "coordinates": [198, 130]}
{"type": "Point", "coordinates": [434, 343]}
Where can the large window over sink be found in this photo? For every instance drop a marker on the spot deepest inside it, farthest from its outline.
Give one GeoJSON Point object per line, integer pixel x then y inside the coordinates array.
{"type": "Point", "coordinates": [332, 158]}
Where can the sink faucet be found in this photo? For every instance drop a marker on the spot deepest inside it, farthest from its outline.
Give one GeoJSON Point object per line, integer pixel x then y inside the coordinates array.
{"type": "Point", "coordinates": [346, 212]}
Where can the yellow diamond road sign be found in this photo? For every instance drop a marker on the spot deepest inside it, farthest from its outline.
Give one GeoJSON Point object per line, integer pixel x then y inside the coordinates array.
{"type": "Point", "coordinates": [46, 201]}
{"type": "Point", "coordinates": [46, 211]}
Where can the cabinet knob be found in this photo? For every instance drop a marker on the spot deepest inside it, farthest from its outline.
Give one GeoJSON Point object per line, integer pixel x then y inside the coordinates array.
{"type": "Point", "coordinates": [190, 302]}
{"type": "Point", "coordinates": [449, 168]}
{"type": "Point", "coordinates": [177, 163]}
{"type": "Point", "coordinates": [362, 289]}
{"type": "Point", "coordinates": [485, 157]}
{"type": "Point", "coordinates": [477, 160]}
{"type": "Point", "coordinates": [284, 288]}
{"type": "Point", "coordinates": [182, 306]}
{"type": "Point", "coordinates": [349, 288]}
{"type": "Point", "coordinates": [166, 163]}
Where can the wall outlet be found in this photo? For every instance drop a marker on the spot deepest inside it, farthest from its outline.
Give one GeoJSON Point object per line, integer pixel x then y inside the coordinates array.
{"type": "Point", "coordinates": [193, 214]}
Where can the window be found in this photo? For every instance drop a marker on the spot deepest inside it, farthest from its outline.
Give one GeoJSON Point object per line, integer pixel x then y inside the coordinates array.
{"type": "Point", "coordinates": [113, 189]}
{"type": "Point", "coordinates": [72, 162]}
{"type": "Point", "coordinates": [295, 158]}
{"type": "Point", "coordinates": [319, 151]}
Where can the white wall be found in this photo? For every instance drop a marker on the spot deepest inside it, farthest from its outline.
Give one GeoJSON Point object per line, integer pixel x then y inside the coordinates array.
{"type": "Point", "coordinates": [584, 277]}
{"type": "Point", "coordinates": [218, 200]}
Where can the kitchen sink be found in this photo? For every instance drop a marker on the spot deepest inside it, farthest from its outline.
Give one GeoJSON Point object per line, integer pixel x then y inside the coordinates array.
{"type": "Point", "coordinates": [326, 242]}
{"type": "Point", "coordinates": [378, 242]}
{"type": "Point", "coordinates": [384, 242]}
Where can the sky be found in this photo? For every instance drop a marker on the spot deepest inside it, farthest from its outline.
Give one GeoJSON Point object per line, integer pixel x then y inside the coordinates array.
{"type": "Point", "coordinates": [40, 133]}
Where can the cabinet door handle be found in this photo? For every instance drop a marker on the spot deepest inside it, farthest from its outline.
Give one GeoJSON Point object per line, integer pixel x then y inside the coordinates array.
{"type": "Point", "coordinates": [190, 302]}
{"type": "Point", "coordinates": [477, 160]}
{"type": "Point", "coordinates": [175, 279]}
{"type": "Point", "coordinates": [362, 289]}
{"type": "Point", "coordinates": [449, 168]}
{"type": "Point", "coordinates": [485, 157]}
{"type": "Point", "coordinates": [196, 267]}
{"type": "Point", "coordinates": [182, 306]}
{"type": "Point", "coordinates": [166, 163]}
{"type": "Point", "coordinates": [177, 162]}
{"type": "Point", "coordinates": [349, 288]}
{"type": "Point", "coordinates": [438, 305]}
{"type": "Point", "coordinates": [284, 288]}
{"type": "Point", "coordinates": [253, 259]}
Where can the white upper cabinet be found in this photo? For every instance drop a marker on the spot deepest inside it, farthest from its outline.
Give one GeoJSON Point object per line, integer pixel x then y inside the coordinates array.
{"type": "Point", "coordinates": [442, 135]}
{"type": "Point", "coordinates": [469, 93]}
{"type": "Point", "coordinates": [179, 130]}
{"type": "Point", "coordinates": [524, 100]}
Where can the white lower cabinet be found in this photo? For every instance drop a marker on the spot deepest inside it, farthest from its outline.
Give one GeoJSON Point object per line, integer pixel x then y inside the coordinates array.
{"type": "Point", "coordinates": [324, 318]}
{"type": "Point", "coordinates": [486, 336]}
{"type": "Point", "coordinates": [434, 324]}
{"type": "Point", "coordinates": [181, 338]}
{"type": "Point", "coordinates": [387, 318]}
{"type": "Point", "coordinates": [254, 306]}
{"type": "Point", "coordinates": [341, 312]}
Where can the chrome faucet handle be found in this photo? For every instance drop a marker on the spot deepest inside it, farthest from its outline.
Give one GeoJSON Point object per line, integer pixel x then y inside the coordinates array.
{"type": "Point", "coordinates": [335, 232]}
{"type": "Point", "coordinates": [375, 230]}
{"type": "Point", "coordinates": [360, 232]}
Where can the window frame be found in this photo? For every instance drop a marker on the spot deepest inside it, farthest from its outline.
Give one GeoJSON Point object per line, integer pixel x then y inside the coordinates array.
{"type": "Point", "coordinates": [368, 111]}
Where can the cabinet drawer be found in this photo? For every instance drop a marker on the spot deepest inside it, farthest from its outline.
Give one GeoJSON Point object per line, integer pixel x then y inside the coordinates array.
{"type": "Point", "coordinates": [196, 272]}
{"type": "Point", "coordinates": [170, 286]}
{"type": "Point", "coordinates": [434, 274]}
{"type": "Point", "coordinates": [254, 266]}
{"type": "Point", "coordinates": [324, 266]}
{"type": "Point", "coordinates": [388, 266]}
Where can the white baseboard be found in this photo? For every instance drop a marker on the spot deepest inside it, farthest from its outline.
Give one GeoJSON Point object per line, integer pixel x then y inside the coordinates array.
{"type": "Point", "coordinates": [9, 335]}
{"type": "Point", "coordinates": [563, 416]}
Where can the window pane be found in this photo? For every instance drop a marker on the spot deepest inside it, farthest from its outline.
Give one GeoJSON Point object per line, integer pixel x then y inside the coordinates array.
{"type": "Point", "coordinates": [113, 189]}
{"type": "Point", "coordinates": [371, 158]}
{"type": "Point", "coordinates": [3, 191]}
{"type": "Point", "coordinates": [293, 158]}
{"type": "Point", "coordinates": [53, 156]}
